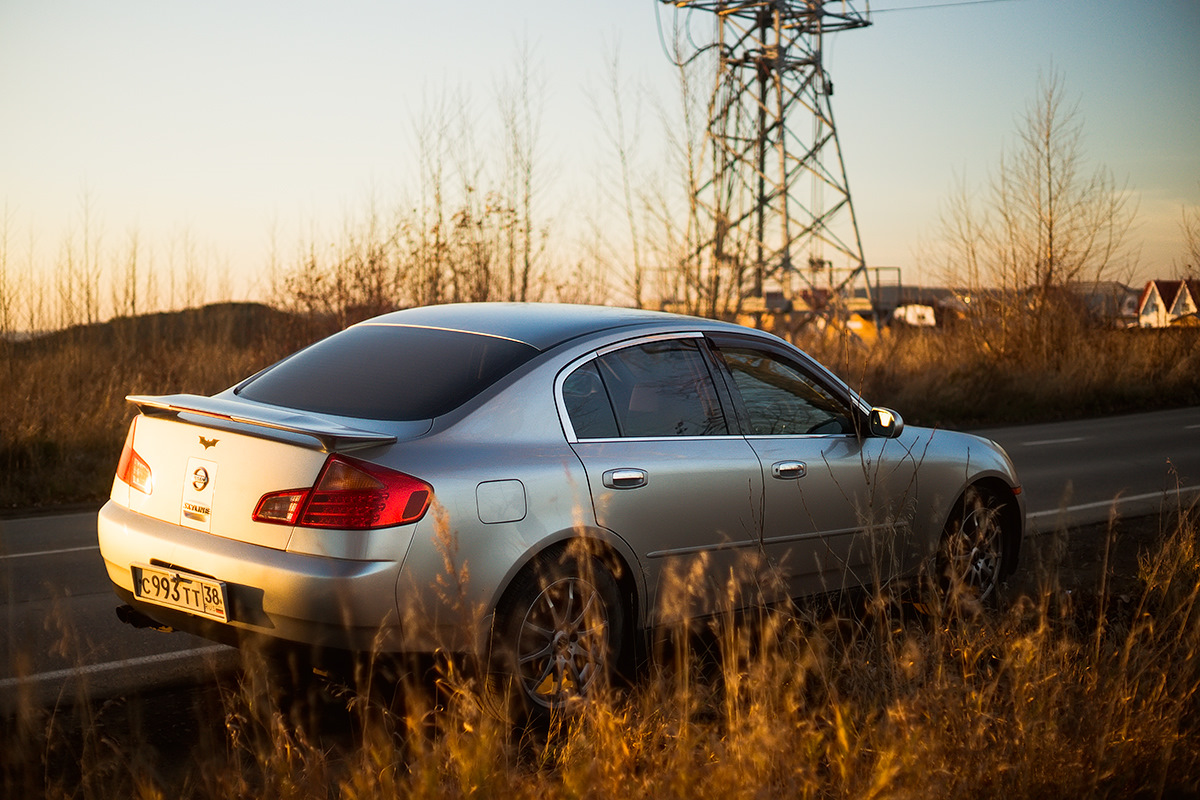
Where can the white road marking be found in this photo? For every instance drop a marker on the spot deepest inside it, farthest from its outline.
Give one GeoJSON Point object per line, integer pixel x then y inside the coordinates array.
{"type": "Point", "coordinates": [50, 552]}
{"type": "Point", "coordinates": [1181, 492]}
{"type": "Point", "coordinates": [1054, 441]}
{"type": "Point", "coordinates": [111, 666]}
{"type": "Point", "coordinates": [1191, 427]}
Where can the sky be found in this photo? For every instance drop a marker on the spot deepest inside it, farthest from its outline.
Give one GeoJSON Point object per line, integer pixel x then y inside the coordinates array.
{"type": "Point", "coordinates": [235, 125]}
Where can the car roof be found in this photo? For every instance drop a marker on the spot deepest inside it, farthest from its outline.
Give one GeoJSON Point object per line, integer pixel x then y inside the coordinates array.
{"type": "Point", "coordinates": [540, 325]}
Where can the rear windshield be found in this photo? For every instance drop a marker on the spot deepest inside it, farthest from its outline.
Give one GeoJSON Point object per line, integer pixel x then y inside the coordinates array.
{"type": "Point", "coordinates": [388, 372]}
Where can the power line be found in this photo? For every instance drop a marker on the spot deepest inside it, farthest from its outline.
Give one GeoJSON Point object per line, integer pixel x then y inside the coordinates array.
{"type": "Point", "coordinates": [928, 6]}
{"type": "Point", "coordinates": [674, 59]}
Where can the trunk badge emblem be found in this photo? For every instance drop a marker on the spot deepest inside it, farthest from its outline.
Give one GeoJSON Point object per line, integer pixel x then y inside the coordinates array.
{"type": "Point", "coordinates": [200, 479]}
{"type": "Point", "coordinates": [208, 442]}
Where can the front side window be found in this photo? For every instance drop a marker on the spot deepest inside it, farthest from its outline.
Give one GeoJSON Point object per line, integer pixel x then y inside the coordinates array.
{"type": "Point", "coordinates": [654, 389]}
{"type": "Point", "coordinates": [780, 399]}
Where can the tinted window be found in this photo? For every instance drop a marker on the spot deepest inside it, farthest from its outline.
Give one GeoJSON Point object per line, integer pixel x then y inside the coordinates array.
{"type": "Point", "coordinates": [388, 372]}
{"type": "Point", "coordinates": [781, 399]}
{"type": "Point", "coordinates": [661, 389]}
{"type": "Point", "coordinates": [587, 404]}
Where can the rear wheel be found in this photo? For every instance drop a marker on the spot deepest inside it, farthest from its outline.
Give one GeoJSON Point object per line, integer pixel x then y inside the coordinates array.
{"type": "Point", "coordinates": [971, 560]}
{"type": "Point", "coordinates": [558, 635]}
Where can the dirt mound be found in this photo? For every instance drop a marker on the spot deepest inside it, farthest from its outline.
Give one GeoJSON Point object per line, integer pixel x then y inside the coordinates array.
{"type": "Point", "coordinates": [238, 325]}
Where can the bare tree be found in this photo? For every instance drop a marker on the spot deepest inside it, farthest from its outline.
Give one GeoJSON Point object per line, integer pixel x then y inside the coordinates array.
{"type": "Point", "coordinates": [425, 231]}
{"type": "Point", "coordinates": [1044, 220]}
{"type": "Point", "coordinates": [1060, 224]}
{"type": "Point", "coordinates": [470, 234]}
{"type": "Point", "coordinates": [90, 271]}
{"type": "Point", "coordinates": [1190, 225]}
{"type": "Point", "coordinates": [37, 313]}
{"type": "Point", "coordinates": [705, 262]}
{"type": "Point", "coordinates": [124, 285]}
{"type": "Point", "coordinates": [77, 273]}
{"type": "Point", "coordinates": [690, 272]}
{"type": "Point", "coordinates": [622, 136]}
{"type": "Point", "coordinates": [521, 101]}
{"type": "Point", "coordinates": [7, 301]}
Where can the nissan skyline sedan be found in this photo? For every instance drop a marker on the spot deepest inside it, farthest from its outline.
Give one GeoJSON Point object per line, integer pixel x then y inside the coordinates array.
{"type": "Point", "coordinates": [535, 486]}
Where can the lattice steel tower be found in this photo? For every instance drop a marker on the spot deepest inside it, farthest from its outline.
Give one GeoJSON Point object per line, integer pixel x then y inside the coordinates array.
{"type": "Point", "coordinates": [778, 207]}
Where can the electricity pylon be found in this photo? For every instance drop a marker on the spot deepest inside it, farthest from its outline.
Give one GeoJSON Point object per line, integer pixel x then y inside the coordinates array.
{"type": "Point", "coordinates": [777, 204]}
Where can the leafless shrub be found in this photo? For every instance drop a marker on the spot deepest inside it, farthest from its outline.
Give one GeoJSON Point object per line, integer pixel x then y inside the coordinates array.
{"type": "Point", "coordinates": [1189, 224]}
{"type": "Point", "coordinates": [1042, 223]}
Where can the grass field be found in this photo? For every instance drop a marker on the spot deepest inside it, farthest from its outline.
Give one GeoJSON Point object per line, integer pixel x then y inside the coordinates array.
{"type": "Point", "coordinates": [65, 392]}
{"type": "Point", "coordinates": [1069, 690]}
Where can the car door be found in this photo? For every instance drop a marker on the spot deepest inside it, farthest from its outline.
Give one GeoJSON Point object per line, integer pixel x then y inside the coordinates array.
{"type": "Point", "coordinates": [667, 472]}
{"type": "Point", "coordinates": [835, 503]}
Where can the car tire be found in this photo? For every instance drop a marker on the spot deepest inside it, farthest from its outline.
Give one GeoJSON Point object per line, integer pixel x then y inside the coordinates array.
{"type": "Point", "coordinates": [557, 637]}
{"type": "Point", "coordinates": [971, 559]}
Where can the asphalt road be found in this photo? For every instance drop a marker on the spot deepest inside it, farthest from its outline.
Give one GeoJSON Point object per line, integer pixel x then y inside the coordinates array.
{"type": "Point", "coordinates": [62, 637]}
{"type": "Point", "coordinates": [1076, 473]}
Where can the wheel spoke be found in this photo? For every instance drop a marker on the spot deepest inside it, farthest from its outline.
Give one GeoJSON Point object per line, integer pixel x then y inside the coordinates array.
{"type": "Point", "coordinates": [580, 620]}
{"type": "Point", "coordinates": [543, 653]}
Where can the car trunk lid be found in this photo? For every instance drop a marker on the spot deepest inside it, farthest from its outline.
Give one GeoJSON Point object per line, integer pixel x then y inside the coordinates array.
{"type": "Point", "coordinates": [213, 459]}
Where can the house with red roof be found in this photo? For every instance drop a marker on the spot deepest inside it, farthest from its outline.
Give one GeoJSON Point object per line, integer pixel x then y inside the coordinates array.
{"type": "Point", "coordinates": [1164, 302]}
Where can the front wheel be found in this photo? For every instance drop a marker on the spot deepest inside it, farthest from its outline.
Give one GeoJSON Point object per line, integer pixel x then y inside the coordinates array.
{"type": "Point", "coordinates": [971, 559]}
{"type": "Point", "coordinates": [557, 637]}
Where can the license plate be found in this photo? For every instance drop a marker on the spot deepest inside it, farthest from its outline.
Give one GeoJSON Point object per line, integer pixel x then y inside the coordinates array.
{"type": "Point", "coordinates": [174, 589]}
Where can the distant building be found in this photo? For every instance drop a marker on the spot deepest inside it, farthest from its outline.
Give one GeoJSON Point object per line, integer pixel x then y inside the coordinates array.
{"type": "Point", "coordinates": [1107, 303]}
{"type": "Point", "coordinates": [1164, 302]}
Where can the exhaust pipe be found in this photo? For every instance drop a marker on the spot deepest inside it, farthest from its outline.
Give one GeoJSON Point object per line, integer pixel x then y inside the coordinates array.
{"type": "Point", "coordinates": [131, 616]}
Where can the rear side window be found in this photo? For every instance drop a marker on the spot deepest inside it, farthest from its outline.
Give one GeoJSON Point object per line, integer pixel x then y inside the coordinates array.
{"type": "Point", "coordinates": [588, 405]}
{"type": "Point", "coordinates": [388, 372]}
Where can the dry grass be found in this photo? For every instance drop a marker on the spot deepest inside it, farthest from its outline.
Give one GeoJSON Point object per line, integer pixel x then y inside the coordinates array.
{"type": "Point", "coordinates": [64, 394]}
{"type": "Point", "coordinates": [1068, 694]}
{"type": "Point", "coordinates": [970, 376]}
{"type": "Point", "coordinates": [66, 416]}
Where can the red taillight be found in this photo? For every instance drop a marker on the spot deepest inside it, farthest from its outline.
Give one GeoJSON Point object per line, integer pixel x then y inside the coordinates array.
{"type": "Point", "coordinates": [131, 469]}
{"type": "Point", "coordinates": [350, 495]}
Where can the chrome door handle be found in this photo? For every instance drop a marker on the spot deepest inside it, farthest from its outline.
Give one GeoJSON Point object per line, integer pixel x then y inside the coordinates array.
{"type": "Point", "coordinates": [788, 470]}
{"type": "Point", "coordinates": [626, 478]}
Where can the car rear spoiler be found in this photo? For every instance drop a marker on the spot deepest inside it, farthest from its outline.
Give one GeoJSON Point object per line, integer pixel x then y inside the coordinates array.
{"type": "Point", "coordinates": [331, 436]}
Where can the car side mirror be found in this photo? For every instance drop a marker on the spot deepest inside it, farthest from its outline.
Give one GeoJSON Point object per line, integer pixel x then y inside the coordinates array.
{"type": "Point", "coordinates": [886, 423]}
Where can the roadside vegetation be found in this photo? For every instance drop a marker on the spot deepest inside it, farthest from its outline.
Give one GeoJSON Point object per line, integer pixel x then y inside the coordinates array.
{"type": "Point", "coordinates": [962, 378]}
{"type": "Point", "coordinates": [1072, 689]}
{"type": "Point", "coordinates": [64, 393]}
{"type": "Point", "coordinates": [66, 414]}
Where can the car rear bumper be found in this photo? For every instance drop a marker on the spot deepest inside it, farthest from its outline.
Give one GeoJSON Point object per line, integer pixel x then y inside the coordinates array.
{"type": "Point", "coordinates": [311, 600]}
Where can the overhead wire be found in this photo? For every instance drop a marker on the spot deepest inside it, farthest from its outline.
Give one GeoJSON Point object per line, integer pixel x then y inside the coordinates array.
{"type": "Point", "coordinates": [673, 58]}
{"type": "Point", "coordinates": [928, 6]}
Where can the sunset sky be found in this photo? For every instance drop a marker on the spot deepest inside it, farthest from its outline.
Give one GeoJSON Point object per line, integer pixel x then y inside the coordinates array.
{"type": "Point", "coordinates": [233, 121]}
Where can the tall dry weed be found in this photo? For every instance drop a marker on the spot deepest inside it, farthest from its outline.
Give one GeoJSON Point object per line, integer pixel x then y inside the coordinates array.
{"type": "Point", "coordinates": [1061, 693]}
{"type": "Point", "coordinates": [64, 393]}
{"type": "Point", "coordinates": [957, 377]}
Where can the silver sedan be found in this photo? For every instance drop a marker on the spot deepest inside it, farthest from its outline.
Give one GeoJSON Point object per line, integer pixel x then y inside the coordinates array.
{"type": "Point", "coordinates": [535, 486]}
